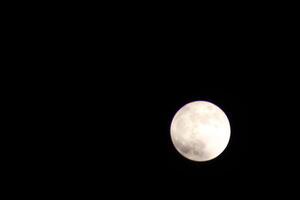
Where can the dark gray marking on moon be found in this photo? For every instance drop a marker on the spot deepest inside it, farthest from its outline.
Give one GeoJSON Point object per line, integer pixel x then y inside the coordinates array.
{"type": "Point", "coordinates": [183, 148]}
{"type": "Point", "coordinates": [196, 148]}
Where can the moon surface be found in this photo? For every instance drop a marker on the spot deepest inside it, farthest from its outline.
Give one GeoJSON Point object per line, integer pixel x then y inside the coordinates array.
{"type": "Point", "coordinates": [200, 131]}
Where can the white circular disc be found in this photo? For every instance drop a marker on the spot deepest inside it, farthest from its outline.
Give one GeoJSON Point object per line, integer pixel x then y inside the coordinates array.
{"type": "Point", "coordinates": [200, 131]}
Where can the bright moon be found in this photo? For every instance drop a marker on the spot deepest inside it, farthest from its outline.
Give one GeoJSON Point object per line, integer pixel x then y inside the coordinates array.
{"type": "Point", "coordinates": [200, 131]}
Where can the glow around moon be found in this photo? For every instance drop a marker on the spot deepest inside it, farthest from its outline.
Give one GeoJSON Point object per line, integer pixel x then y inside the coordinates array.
{"type": "Point", "coordinates": [200, 131]}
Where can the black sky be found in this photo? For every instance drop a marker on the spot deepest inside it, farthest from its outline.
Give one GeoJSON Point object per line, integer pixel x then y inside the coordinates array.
{"type": "Point", "coordinates": [103, 105]}
{"type": "Point", "coordinates": [128, 142]}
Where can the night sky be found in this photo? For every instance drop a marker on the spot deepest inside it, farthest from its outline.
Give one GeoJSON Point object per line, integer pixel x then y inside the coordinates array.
{"type": "Point", "coordinates": [101, 108]}
{"type": "Point", "coordinates": [114, 123]}
{"type": "Point", "coordinates": [129, 140]}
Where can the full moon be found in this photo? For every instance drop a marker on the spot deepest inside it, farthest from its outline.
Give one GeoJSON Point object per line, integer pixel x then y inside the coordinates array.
{"type": "Point", "coordinates": [200, 131]}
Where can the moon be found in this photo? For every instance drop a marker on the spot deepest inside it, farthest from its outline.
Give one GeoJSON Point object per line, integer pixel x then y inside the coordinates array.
{"type": "Point", "coordinates": [200, 131]}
